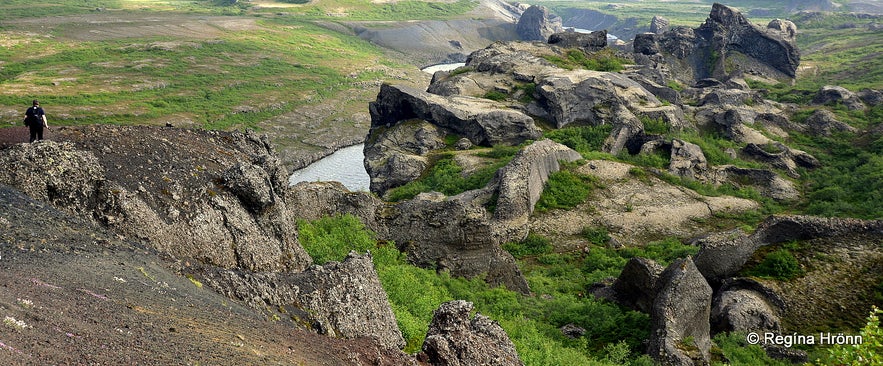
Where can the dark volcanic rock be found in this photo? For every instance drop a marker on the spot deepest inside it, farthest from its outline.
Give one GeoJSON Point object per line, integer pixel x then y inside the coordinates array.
{"type": "Point", "coordinates": [176, 207]}
{"type": "Point", "coordinates": [722, 255]}
{"type": "Point", "coordinates": [456, 340]}
{"type": "Point", "coordinates": [342, 300]}
{"type": "Point", "coordinates": [521, 182]}
{"type": "Point", "coordinates": [713, 47]}
{"type": "Point", "coordinates": [636, 286]}
{"type": "Point", "coordinates": [587, 42]}
{"type": "Point", "coordinates": [481, 120]}
{"type": "Point", "coordinates": [745, 305]}
{"type": "Point", "coordinates": [659, 24]}
{"type": "Point", "coordinates": [680, 330]}
{"type": "Point", "coordinates": [537, 23]}
{"type": "Point", "coordinates": [830, 94]}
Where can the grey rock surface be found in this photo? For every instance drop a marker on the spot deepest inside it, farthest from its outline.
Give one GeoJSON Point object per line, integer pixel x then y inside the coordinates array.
{"type": "Point", "coordinates": [659, 24]}
{"type": "Point", "coordinates": [823, 122]}
{"type": "Point", "coordinates": [636, 286]}
{"type": "Point", "coordinates": [588, 42]}
{"type": "Point", "coordinates": [830, 94]}
{"type": "Point", "coordinates": [179, 209]}
{"type": "Point", "coordinates": [537, 23]}
{"type": "Point", "coordinates": [338, 299]}
{"type": "Point", "coordinates": [455, 339]}
{"type": "Point", "coordinates": [744, 310]}
{"type": "Point", "coordinates": [680, 329]}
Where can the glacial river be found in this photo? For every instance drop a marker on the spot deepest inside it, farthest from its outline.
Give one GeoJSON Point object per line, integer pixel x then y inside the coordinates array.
{"type": "Point", "coordinates": [344, 165]}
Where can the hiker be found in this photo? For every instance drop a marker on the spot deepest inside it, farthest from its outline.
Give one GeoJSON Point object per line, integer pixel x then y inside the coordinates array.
{"type": "Point", "coordinates": [35, 119]}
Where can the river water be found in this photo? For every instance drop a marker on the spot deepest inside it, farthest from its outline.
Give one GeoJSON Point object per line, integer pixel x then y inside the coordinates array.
{"type": "Point", "coordinates": [344, 165]}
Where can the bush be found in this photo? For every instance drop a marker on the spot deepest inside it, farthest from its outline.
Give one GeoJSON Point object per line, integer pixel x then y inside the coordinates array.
{"type": "Point", "coordinates": [530, 246]}
{"type": "Point", "coordinates": [565, 190]}
{"type": "Point", "coordinates": [332, 238]}
{"type": "Point", "coordinates": [583, 139]}
{"type": "Point", "coordinates": [869, 352]}
{"type": "Point", "coordinates": [596, 235]}
{"type": "Point", "coordinates": [779, 264]}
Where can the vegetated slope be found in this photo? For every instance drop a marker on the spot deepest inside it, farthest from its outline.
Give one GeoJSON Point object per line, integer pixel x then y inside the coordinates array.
{"type": "Point", "coordinates": [274, 73]}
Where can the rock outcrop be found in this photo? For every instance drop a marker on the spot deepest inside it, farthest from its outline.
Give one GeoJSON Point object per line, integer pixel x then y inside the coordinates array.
{"type": "Point", "coordinates": [726, 41]}
{"type": "Point", "coordinates": [831, 94]}
{"type": "Point", "coordinates": [230, 214]}
{"type": "Point", "coordinates": [520, 184]}
{"type": "Point", "coordinates": [636, 285]}
{"type": "Point", "coordinates": [823, 122]}
{"type": "Point", "coordinates": [457, 233]}
{"type": "Point", "coordinates": [455, 339]}
{"type": "Point", "coordinates": [407, 123]}
{"type": "Point", "coordinates": [680, 329]}
{"type": "Point", "coordinates": [342, 300]}
{"type": "Point", "coordinates": [659, 25]}
{"type": "Point", "coordinates": [744, 305]}
{"type": "Point", "coordinates": [537, 23]}
{"type": "Point", "coordinates": [588, 42]}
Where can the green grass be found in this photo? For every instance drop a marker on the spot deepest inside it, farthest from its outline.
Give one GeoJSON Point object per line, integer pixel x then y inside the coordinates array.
{"type": "Point", "coordinates": [565, 190]}
{"type": "Point", "coordinates": [532, 322]}
{"type": "Point", "coordinates": [603, 60]}
{"type": "Point", "coordinates": [267, 72]}
{"type": "Point", "coordinates": [446, 176]}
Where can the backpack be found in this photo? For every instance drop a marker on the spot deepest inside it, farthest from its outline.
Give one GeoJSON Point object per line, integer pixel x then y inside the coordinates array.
{"type": "Point", "coordinates": [33, 118]}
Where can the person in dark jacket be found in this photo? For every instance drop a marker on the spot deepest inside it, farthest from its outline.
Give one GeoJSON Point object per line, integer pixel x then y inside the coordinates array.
{"type": "Point", "coordinates": [35, 119]}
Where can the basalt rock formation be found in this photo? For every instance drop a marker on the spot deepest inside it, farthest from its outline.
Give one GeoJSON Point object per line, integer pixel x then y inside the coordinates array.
{"type": "Point", "coordinates": [341, 300]}
{"type": "Point", "coordinates": [457, 233]}
{"type": "Point", "coordinates": [726, 41]}
{"type": "Point", "coordinates": [537, 23]}
{"type": "Point", "coordinates": [680, 329]}
{"type": "Point", "coordinates": [455, 339]}
{"type": "Point", "coordinates": [217, 207]}
{"type": "Point", "coordinates": [222, 210]}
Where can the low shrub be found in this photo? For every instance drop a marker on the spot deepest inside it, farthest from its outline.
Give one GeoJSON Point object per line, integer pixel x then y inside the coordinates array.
{"type": "Point", "coordinates": [779, 264]}
{"type": "Point", "coordinates": [531, 246]}
{"type": "Point", "coordinates": [564, 190]}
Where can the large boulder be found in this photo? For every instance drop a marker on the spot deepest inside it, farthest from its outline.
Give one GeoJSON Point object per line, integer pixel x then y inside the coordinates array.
{"type": "Point", "coordinates": [635, 287]}
{"type": "Point", "coordinates": [537, 23]}
{"type": "Point", "coordinates": [786, 27]}
{"type": "Point", "coordinates": [831, 94]}
{"type": "Point", "coordinates": [722, 255]}
{"type": "Point", "coordinates": [659, 25]}
{"type": "Point", "coordinates": [768, 183]}
{"type": "Point", "coordinates": [588, 42]}
{"type": "Point", "coordinates": [745, 305]}
{"type": "Point", "coordinates": [595, 97]}
{"type": "Point", "coordinates": [687, 160]}
{"type": "Point", "coordinates": [521, 182]}
{"type": "Point", "coordinates": [455, 339]}
{"type": "Point", "coordinates": [396, 155]}
{"type": "Point", "coordinates": [482, 121]}
{"type": "Point", "coordinates": [823, 122]}
{"type": "Point", "coordinates": [455, 234]}
{"type": "Point", "coordinates": [339, 299]}
{"type": "Point", "coordinates": [680, 329]}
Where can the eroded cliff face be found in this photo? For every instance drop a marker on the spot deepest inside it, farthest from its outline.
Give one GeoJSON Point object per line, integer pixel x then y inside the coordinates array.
{"type": "Point", "coordinates": [215, 203]}
{"type": "Point", "coordinates": [215, 198]}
